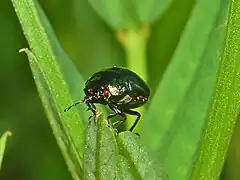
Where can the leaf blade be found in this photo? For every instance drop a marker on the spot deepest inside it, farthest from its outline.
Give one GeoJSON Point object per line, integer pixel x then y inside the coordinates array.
{"type": "Point", "coordinates": [50, 79]}
{"type": "Point", "coordinates": [115, 12]}
{"type": "Point", "coordinates": [150, 11]}
{"type": "Point", "coordinates": [179, 109]}
{"type": "Point", "coordinates": [101, 151]}
{"type": "Point", "coordinates": [3, 143]}
{"type": "Point", "coordinates": [225, 109]}
{"type": "Point", "coordinates": [68, 148]}
{"type": "Point", "coordinates": [140, 163]}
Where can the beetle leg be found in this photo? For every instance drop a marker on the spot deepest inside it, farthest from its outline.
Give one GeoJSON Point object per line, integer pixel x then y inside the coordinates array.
{"type": "Point", "coordinates": [93, 108]}
{"type": "Point", "coordinates": [119, 121]}
{"type": "Point", "coordinates": [131, 112]}
{"type": "Point", "coordinates": [116, 112]}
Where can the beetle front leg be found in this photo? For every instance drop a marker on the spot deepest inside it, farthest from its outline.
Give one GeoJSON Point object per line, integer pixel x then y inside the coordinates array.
{"type": "Point", "coordinates": [93, 108]}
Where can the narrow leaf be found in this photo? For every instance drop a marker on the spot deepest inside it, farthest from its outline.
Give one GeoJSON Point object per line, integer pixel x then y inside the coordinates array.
{"type": "Point", "coordinates": [140, 163]}
{"type": "Point", "coordinates": [225, 109]}
{"type": "Point", "coordinates": [151, 10]}
{"type": "Point", "coordinates": [125, 169]}
{"type": "Point", "coordinates": [101, 152]}
{"type": "Point", "coordinates": [54, 91]}
{"type": "Point", "coordinates": [177, 114]}
{"type": "Point", "coordinates": [116, 13]}
{"type": "Point", "coordinates": [38, 32]}
{"type": "Point", "coordinates": [116, 157]}
{"type": "Point", "coordinates": [3, 143]}
{"type": "Point", "coordinates": [60, 128]}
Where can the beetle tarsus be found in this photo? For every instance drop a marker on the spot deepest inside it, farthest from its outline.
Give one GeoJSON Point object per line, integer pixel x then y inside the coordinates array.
{"type": "Point", "coordinates": [115, 130]}
{"type": "Point", "coordinates": [137, 134]}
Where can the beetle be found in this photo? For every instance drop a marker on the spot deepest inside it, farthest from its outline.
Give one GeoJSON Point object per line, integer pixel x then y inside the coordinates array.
{"type": "Point", "coordinates": [120, 89]}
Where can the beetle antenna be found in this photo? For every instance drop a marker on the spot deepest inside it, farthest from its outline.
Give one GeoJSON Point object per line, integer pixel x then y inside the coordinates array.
{"type": "Point", "coordinates": [68, 108]}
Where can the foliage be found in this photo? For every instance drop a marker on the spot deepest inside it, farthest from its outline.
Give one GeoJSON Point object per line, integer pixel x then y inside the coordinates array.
{"type": "Point", "coordinates": [197, 93]}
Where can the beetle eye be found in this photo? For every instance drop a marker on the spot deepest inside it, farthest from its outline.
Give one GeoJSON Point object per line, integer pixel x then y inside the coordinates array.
{"type": "Point", "coordinates": [105, 92]}
{"type": "Point", "coordinates": [90, 91]}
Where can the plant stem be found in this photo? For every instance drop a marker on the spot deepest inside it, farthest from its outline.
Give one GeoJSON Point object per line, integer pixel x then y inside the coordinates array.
{"type": "Point", "coordinates": [135, 45]}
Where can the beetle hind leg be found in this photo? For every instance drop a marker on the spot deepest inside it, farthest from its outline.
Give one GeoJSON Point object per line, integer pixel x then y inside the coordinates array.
{"type": "Point", "coordinates": [135, 113]}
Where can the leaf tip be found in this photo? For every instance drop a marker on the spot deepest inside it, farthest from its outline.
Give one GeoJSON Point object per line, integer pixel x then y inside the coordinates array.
{"type": "Point", "coordinates": [7, 133]}
{"type": "Point", "coordinates": [23, 50]}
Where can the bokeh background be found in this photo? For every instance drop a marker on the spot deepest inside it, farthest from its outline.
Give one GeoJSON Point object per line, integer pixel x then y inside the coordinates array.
{"type": "Point", "coordinates": [32, 152]}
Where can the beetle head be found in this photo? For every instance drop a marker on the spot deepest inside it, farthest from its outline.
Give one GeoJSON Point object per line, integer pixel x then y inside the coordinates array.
{"type": "Point", "coordinates": [99, 95]}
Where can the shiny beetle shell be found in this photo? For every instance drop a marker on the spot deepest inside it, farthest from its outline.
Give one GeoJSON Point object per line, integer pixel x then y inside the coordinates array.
{"type": "Point", "coordinates": [118, 86]}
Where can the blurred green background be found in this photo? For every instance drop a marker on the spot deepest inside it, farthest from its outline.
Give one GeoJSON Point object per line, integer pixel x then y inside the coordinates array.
{"type": "Point", "coordinates": [32, 152]}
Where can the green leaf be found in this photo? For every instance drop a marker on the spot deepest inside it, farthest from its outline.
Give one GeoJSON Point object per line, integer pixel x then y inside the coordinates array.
{"type": "Point", "coordinates": [121, 157]}
{"type": "Point", "coordinates": [3, 143]}
{"type": "Point", "coordinates": [72, 77]}
{"type": "Point", "coordinates": [39, 30]}
{"type": "Point", "coordinates": [140, 162]}
{"type": "Point", "coordinates": [124, 14]}
{"type": "Point", "coordinates": [101, 152]}
{"type": "Point", "coordinates": [178, 111]}
{"type": "Point", "coordinates": [151, 10]}
{"type": "Point", "coordinates": [225, 109]}
{"type": "Point", "coordinates": [63, 127]}
{"type": "Point", "coordinates": [49, 65]}
{"type": "Point", "coordinates": [114, 12]}
{"type": "Point", "coordinates": [125, 169]}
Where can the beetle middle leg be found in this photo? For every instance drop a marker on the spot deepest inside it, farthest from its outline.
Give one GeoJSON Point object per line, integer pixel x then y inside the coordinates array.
{"type": "Point", "coordinates": [117, 111]}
